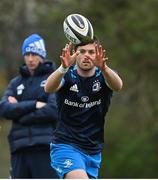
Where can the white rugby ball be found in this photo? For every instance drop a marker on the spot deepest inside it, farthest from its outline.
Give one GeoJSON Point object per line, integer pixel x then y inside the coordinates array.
{"type": "Point", "coordinates": [78, 29]}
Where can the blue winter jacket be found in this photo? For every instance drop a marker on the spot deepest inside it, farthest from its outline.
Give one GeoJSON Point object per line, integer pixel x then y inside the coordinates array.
{"type": "Point", "coordinates": [30, 126]}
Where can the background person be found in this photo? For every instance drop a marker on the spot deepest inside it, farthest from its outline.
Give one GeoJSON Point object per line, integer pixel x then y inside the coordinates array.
{"type": "Point", "coordinates": [33, 113]}
{"type": "Point", "coordinates": [83, 93]}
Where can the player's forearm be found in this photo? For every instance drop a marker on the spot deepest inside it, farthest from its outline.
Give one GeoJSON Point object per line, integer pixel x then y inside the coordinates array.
{"type": "Point", "coordinates": [112, 78]}
{"type": "Point", "coordinates": [54, 80]}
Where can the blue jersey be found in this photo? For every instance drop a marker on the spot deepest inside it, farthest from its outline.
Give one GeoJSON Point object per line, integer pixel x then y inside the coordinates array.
{"type": "Point", "coordinates": [82, 104]}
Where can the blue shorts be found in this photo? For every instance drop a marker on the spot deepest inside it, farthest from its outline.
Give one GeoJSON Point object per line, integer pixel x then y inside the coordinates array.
{"type": "Point", "coordinates": [66, 158]}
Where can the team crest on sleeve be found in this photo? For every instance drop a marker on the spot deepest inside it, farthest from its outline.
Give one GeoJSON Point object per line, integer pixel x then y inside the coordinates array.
{"type": "Point", "coordinates": [96, 86]}
{"type": "Point", "coordinates": [20, 89]}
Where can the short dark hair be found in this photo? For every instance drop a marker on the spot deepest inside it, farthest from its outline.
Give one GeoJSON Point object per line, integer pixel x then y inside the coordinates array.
{"type": "Point", "coordinates": [94, 40]}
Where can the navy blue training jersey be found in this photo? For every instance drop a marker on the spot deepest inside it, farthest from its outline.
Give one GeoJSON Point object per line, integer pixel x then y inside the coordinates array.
{"type": "Point", "coordinates": [83, 103]}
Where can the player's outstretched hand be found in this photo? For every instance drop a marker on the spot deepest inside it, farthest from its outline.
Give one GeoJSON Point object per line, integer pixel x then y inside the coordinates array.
{"type": "Point", "coordinates": [68, 58]}
{"type": "Point", "coordinates": [101, 58]}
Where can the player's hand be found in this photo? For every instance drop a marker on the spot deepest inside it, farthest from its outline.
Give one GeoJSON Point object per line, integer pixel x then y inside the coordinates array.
{"type": "Point", "coordinates": [40, 104]}
{"type": "Point", "coordinates": [68, 58]}
{"type": "Point", "coordinates": [100, 59]}
{"type": "Point", "coordinates": [12, 99]}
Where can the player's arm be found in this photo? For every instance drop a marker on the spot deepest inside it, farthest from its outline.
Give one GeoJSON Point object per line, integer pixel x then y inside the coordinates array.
{"type": "Point", "coordinates": [112, 78]}
{"type": "Point", "coordinates": [53, 82]}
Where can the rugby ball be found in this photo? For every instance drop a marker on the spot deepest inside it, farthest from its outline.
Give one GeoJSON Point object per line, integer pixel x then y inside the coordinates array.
{"type": "Point", "coordinates": [78, 29]}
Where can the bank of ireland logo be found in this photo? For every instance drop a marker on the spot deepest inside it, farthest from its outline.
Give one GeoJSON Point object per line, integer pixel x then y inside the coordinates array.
{"type": "Point", "coordinates": [84, 98]}
{"type": "Point", "coordinates": [20, 89]}
{"type": "Point", "coordinates": [96, 86]}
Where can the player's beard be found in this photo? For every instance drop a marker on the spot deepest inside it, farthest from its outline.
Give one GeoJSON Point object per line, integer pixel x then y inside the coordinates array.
{"type": "Point", "coordinates": [85, 66]}
{"type": "Point", "coordinates": [86, 71]}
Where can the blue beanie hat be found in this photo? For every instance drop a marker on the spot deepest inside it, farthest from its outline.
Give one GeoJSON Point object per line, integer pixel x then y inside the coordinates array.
{"type": "Point", "coordinates": [34, 44]}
